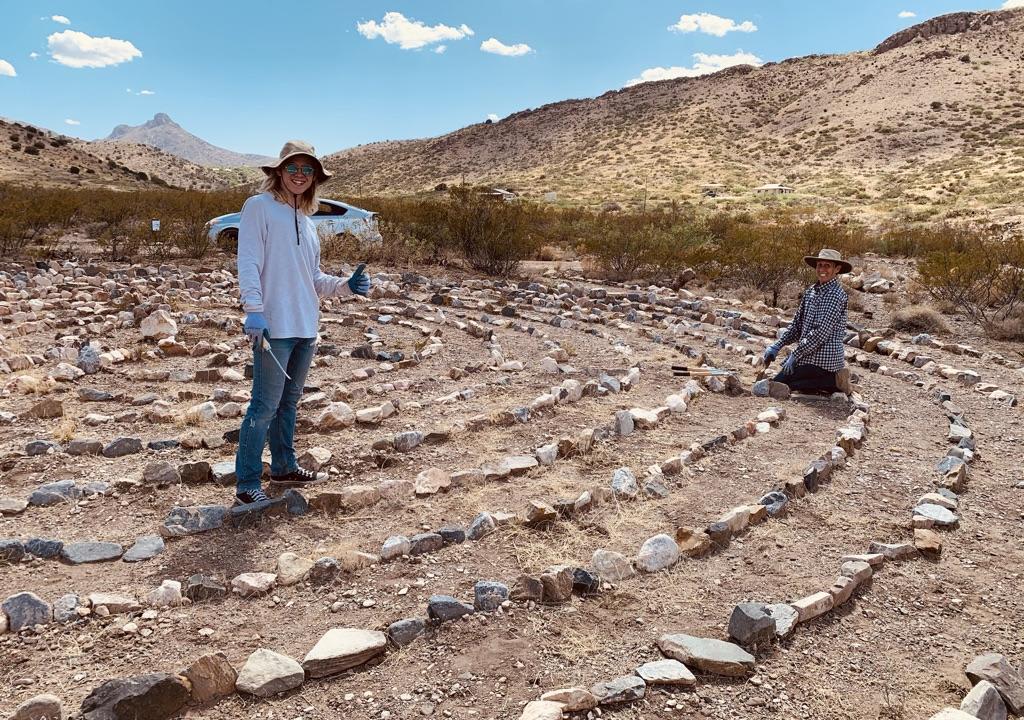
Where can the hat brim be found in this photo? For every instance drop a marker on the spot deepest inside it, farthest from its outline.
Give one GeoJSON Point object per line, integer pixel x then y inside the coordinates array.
{"type": "Point", "coordinates": [321, 172]}
{"type": "Point", "coordinates": [844, 267]}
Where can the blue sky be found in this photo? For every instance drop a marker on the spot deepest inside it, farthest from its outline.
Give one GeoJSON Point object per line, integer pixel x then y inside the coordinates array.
{"type": "Point", "coordinates": [249, 75]}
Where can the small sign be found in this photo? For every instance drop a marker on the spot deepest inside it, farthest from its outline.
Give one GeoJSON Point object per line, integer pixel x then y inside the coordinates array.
{"type": "Point", "coordinates": [156, 226]}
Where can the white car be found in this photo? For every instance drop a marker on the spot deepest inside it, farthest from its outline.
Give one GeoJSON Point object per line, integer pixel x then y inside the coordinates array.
{"type": "Point", "coordinates": [333, 217]}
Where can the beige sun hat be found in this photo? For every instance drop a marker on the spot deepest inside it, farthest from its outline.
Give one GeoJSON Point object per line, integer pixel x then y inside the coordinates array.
{"type": "Point", "coordinates": [832, 256]}
{"type": "Point", "coordinates": [290, 150]}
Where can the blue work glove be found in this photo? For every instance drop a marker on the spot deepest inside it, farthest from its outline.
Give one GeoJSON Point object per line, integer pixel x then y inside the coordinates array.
{"type": "Point", "coordinates": [789, 365]}
{"type": "Point", "coordinates": [358, 283]}
{"type": "Point", "coordinates": [769, 356]}
{"type": "Point", "coordinates": [255, 326]}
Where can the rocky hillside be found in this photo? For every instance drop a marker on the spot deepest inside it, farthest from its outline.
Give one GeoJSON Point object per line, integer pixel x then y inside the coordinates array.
{"type": "Point", "coordinates": [927, 125]}
{"type": "Point", "coordinates": [163, 133]}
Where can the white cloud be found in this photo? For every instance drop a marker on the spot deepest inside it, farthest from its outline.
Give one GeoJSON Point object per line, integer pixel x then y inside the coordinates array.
{"type": "Point", "coordinates": [78, 50]}
{"type": "Point", "coordinates": [69, 121]}
{"type": "Point", "coordinates": [909, 14]}
{"type": "Point", "coordinates": [60, 19]}
{"type": "Point", "coordinates": [1010, 4]}
{"type": "Point", "coordinates": [711, 25]}
{"type": "Point", "coordinates": [145, 92]}
{"type": "Point", "coordinates": [7, 69]}
{"type": "Point", "coordinates": [704, 64]}
{"type": "Point", "coordinates": [33, 55]}
{"type": "Point", "coordinates": [396, 29]}
{"type": "Point", "coordinates": [493, 45]}
{"type": "Point", "coordinates": [440, 49]}
{"type": "Point", "coordinates": [492, 117]}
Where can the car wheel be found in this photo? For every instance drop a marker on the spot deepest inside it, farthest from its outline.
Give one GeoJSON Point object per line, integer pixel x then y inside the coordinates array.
{"type": "Point", "coordinates": [227, 241]}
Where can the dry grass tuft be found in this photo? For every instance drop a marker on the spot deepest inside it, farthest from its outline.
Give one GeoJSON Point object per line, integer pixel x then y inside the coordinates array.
{"type": "Point", "coordinates": [918, 319]}
{"type": "Point", "coordinates": [65, 431]}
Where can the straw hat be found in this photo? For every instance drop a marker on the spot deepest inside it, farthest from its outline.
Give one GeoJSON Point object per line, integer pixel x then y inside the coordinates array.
{"type": "Point", "coordinates": [831, 256]}
{"type": "Point", "coordinates": [290, 150]}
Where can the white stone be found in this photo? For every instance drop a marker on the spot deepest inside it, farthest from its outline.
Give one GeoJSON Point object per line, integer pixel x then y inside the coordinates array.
{"type": "Point", "coordinates": [342, 648]}
{"type": "Point", "coordinates": [159, 325]}
{"type": "Point", "coordinates": [168, 594]}
{"type": "Point", "coordinates": [268, 673]}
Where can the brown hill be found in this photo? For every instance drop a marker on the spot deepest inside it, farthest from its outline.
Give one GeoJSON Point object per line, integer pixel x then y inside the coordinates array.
{"type": "Point", "coordinates": [163, 133]}
{"type": "Point", "coordinates": [927, 125]}
{"type": "Point", "coordinates": [38, 156]}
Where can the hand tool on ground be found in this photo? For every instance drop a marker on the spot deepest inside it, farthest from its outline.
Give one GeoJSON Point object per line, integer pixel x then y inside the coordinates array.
{"type": "Point", "coordinates": [265, 347]}
{"type": "Point", "coordinates": [684, 371]}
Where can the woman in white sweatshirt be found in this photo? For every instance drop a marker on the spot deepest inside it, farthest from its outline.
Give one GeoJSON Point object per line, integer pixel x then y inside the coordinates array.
{"type": "Point", "coordinates": [281, 285]}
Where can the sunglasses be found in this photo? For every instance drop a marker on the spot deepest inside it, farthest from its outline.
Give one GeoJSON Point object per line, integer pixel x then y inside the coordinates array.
{"type": "Point", "coordinates": [292, 169]}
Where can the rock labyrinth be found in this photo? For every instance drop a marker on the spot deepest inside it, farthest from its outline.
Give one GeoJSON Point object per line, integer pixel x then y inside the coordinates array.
{"type": "Point", "coordinates": [590, 430]}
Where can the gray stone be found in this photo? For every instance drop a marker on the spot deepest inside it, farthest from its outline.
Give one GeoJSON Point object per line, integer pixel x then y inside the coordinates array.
{"type": "Point", "coordinates": [444, 608]}
{"type": "Point", "coordinates": [122, 446]}
{"type": "Point", "coordinates": [527, 588]}
{"type": "Point", "coordinates": [93, 395]}
{"type": "Point", "coordinates": [1007, 680]}
{"type": "Point", "coordinates": [751, 625]}
{"type": "Point", "coordinates": [223, 473]}
{"type": "Point", "coordinates": [203, 587]}
{"type": "Point", "coordinates": [190, 473]}
{"type": "Point", "coordinates": [405, 631]}
{"type": "Point", "coordinates": [482, 525]}
{"type": "Point", "coordinates": [775, 503]}
{"type": "Point", "coordinates": [786, 618]}
{"type": "Point", "coordinates": [720, 533]}
{"type": "Point", "coordinates": [984, 702]}
{"type": "Point", "coordinates": [937, 514]}
{"type": "Point", "coordinates": [26, 609]}
{"type": "Point", "coordinates": [41, 447]}
{"type": "Point", "coordinates": [44, 548]}
{"type": "Point", "coordinates": [182, 521]}
{"type": "Point", "coordinates": [65, 609]}
{"type": "Point", "coordinates": [11, 551]}
{"type": "Point", "coordinates": [163, 474]}
{"type": "Point", "coordinates": [624, 483]}
{"type": "Point", "coordinates": [627, 688]}
{"type": "Point", "coordinates": [84, 447]}
{"type": "Point", "coordinates": [894, 551]}
{"type": "Point", "coordinates": [425, 543]}
{"type": "Point", "coordinates": [452, 534]}
{"type": "Point", "coordinates": [12, 506]}
{"type": "Point", "coordinates": [145, 548]}
{"type": "Point", "coordinates": [54, 493]}
{"type": "Point", "coordinates": [40, 707]}
{"type": "Point", "coordinates": [267, 673]}
{"type": "Point", "coordinates": [624, 423]}
{"type": "Point", "coordinates": [80, 553]}
{"type": "Point", "coordinates": [340, 649]}
{"type": "Point", "coordinates": [612, 565]}
{"type": "Point", "coordinates": [324, 570]}
{"type": "Point", "coordinates": [707, 655]}
{"type": "Point", "coordinates": [584, 582]}
{"type": "Point", "coordinates": [295, 503]}
{"type": "Point", "coordinates": [657, 553]}
{"type": "Point", "coordinates": [406, 441]}
{"type": "Point", "coordinates": [666, 672]}
{"type": "Point", "coordinates": [488, 596]}
{"type": "Point", "coordinates": [655, 488]}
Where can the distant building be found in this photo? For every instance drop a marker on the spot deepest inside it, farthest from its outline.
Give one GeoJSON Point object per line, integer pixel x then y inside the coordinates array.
{"type": "Point", "coordinates": [772, 189]}
{"type": "Point", "coordinates": [502, 194]}
{"type": "Point", "coordinates": [551, 197]}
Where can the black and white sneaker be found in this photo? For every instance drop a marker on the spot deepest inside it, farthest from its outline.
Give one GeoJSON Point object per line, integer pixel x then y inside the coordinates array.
{"type": "Point", "coordinates": [248, 497]}
{"type": "Point", "coordinates": [299, 477]}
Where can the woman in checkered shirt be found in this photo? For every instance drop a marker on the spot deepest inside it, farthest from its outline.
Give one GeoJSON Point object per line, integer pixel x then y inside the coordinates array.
{"type": "Point", "coordinates": [817, 364]}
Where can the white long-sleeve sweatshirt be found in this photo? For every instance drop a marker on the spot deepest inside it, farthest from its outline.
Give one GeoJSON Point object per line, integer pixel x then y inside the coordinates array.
{"type": "Point", "coordinates": [279, 268]}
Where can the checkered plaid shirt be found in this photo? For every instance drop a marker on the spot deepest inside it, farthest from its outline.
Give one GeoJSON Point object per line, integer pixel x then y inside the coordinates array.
{"type": "Point", "coordinates": [819, 327]}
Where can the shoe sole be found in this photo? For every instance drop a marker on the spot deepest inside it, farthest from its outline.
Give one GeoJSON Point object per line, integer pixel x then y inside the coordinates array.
{"type": "Point", "coordinates": [296, 483]}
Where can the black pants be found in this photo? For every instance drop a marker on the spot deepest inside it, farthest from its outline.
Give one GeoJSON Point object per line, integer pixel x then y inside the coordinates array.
{"type": "Point", "coordinates": [809, 378]}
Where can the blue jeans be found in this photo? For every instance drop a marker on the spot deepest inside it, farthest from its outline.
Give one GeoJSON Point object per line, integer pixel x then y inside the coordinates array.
{"type": "Point", "coordinates": [271, 415]}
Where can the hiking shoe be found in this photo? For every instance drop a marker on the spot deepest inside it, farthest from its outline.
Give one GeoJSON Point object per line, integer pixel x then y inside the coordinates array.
{"type": "Point", "coordinates": [843, 381]}
{"type": "Point", "coordinates": [298, 477]}
{"type": "Point", "coordinates": [248, 497]}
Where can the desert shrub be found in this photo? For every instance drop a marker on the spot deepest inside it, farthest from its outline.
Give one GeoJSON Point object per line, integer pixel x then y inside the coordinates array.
{"type": "Point", "coordinates": [919, 319]}
{"type": "Point", "coordinates": [31, 150]}
{"type": "Point", "coordinates": [981, 274]}
{"type": "Point", "coordinates": [766, 257]}
{"type": "Point", "coordinates": [74, 170]}
{"type": "Point", "coordinates": [494, 236]}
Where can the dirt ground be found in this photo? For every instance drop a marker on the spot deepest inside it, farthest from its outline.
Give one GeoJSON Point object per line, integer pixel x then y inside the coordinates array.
{"type": "Point", "coordinates": [896, 651]}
